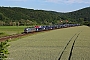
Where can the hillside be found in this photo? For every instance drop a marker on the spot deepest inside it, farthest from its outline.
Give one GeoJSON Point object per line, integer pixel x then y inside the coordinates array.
{"type": "Point", "coordinates": [82, 15]}
{"type": "Point", "coordinates": [24, 16]}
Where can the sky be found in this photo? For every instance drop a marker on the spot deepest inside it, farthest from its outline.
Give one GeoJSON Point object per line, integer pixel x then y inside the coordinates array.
{"type": "Point", "coordinates": [49, 5]}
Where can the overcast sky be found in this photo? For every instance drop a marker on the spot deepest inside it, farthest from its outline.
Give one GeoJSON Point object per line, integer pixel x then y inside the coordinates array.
{"type": "Point", "coordinates": [51, 5]}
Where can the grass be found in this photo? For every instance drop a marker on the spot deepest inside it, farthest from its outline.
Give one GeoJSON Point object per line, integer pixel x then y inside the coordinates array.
{"type": "Point", "coordinates": [9, 30]}
{"type": "Point", "coordinates": [2, 34]}
{"type": "Point", "coordinates": [49, 45]}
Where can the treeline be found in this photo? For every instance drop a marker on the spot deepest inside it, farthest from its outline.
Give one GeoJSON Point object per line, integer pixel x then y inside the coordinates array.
{"type": "Point", "coordinates": [22, 16]}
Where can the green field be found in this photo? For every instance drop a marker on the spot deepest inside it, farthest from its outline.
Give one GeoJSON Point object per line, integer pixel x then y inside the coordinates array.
{"type": "Point", "coordinates": [49, 45]}
{"type": "Point", "coordinates": [9, 30]}
{"type": "Point", "coordinates": [82, 46]}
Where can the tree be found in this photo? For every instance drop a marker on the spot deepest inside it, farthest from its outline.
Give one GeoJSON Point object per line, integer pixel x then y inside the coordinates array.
{"type": "Point", "coordinates": [3, 50]}
{"type": "Point", "coordinates": [81, 20]}
{"type": "Point", "coordinates": [2, 23]}
{"type": "Point", "coordinates": [2, 16]}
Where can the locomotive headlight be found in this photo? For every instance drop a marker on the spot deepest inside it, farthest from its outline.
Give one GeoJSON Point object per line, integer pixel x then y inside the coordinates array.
{"type": "Point", "coordinates": [44, 28]}
{"type": "Point", "coordinates": [37, 29]}
{"type": "Point", "coordinates": [26, 29]}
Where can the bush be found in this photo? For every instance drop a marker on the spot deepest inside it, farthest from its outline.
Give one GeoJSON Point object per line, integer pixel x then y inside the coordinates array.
{"type": "Point", "coordinates": [1, 33]}
{"type": "Point", "coordinates": [3, 50]}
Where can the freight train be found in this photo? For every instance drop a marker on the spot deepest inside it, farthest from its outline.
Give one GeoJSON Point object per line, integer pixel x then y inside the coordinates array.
{"type": "Point", "coordinates": [48, 27]}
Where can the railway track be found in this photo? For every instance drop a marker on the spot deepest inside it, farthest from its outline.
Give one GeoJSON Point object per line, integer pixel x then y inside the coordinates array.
{"type": "Point", "coordinates": [16, 36]}
{"type": "Point", "coordinates": [66, 53]}
{"type": "Point", "coordinates": [11, 37]}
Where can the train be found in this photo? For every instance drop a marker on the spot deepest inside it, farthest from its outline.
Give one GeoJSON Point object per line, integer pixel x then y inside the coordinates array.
{"type": "Point", "coordinates": [48, 27]}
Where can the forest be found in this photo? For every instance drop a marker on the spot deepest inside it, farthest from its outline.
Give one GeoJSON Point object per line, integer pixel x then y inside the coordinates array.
{"type": "Point", "coordinates": [17, 16]}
